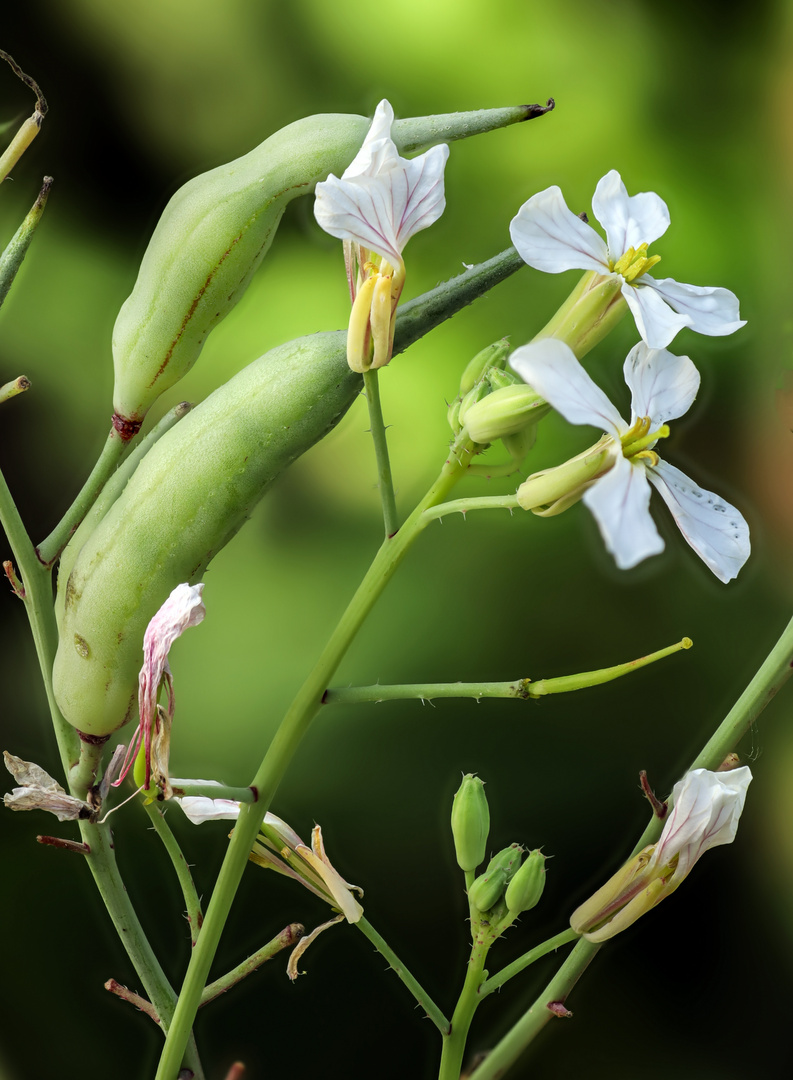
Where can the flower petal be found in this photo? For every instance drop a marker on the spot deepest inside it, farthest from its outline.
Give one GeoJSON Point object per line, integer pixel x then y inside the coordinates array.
{"type": "Point", "coordinates": [628, 220]}
{"type": "Point", "coordinates": [711, 526]}
{"type": "Point", "coordinates": [200, 808]}
{"type": "Point", "coordinates": [551, 368]}
{"type": "Point", "coordinates": [663, 386]}
{"type": "Point", "coordinates": [377, 150]}
{"type": "Point", "coordinates": [707, 806]}
{"type": "Point", "coordinates": [655, 320]}
{"type": "Point", "coordinates": [709, 310]}
{"type": "Point", "coordinates": [551, 238]}
{"type": "Point", "coordinates": [620, 502]}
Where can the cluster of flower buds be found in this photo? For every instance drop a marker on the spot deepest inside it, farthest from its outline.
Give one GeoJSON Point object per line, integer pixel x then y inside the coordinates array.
{"type": "Point", "coordinates": [509, 884]}
{"type": "Point", "coordinates": [495, 404]}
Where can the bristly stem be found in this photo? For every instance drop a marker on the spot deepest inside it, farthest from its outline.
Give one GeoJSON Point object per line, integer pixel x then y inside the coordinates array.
{"type": "Point", "coordinates": [496, 981]}
{"type": "Point", "coordinates": [377, 426]}
{"type": "Point", "coordinates": [413, 985]}
{"type": "Point", "coordinates": [195, 915]}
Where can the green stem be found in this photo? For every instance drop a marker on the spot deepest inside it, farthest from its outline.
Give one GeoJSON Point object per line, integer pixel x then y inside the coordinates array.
{"type": "Point", "coordinates": [11, 259]}
{"type": "Point", "coordinates": [495, 982]}
{"type": "Point", "coordinates": [113, 453]}
{"type": "Point", "coordinates": [485, 502]}
{"type": "Point", "coordinates": [280, 753]}
{"type": "Point", "coordinates": [377, 425]}
{"type": "Point", "coordinates": [413, 985]}
{"type": "Point", "coordinates": [211, 789]}
{"type": "Point", "coordinates": [770, 678]}
{"type": "Point", "coordinates": [518, 688]}
{"type": "Point", "coordinates": [467, 1004]}
{"type": "Point", "coordinates": [288, 937]}
{"type": "Point", "coordinates": [195, 916]}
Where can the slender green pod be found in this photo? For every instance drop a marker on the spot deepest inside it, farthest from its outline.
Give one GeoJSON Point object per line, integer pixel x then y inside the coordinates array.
{"type": "Point", "coordinates": [195, 488]}
{"type": "Point", "coordinates": [217, 228]}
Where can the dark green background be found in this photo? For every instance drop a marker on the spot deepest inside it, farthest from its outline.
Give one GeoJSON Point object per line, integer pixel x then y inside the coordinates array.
{"type": "Point", "coordinates": [691, 101]}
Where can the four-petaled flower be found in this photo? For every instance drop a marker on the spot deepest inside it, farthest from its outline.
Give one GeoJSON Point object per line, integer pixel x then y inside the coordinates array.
{"type": "Point", "coordinates": [380, 201]}
{"type": "Point", "coordinates": [707, 806]}
{"type": "Point", "coordinates": [550, 237]}
{"type": "Point", "coordinates": [183, 608]}
{"type": "Point", "coordinates": [663, 387]}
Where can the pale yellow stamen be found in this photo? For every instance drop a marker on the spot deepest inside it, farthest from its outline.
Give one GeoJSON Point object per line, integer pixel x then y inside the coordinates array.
{"type": "Point", "coordinates": [638, 439]}
{"type": "Point", "coordinates": [634, 263]}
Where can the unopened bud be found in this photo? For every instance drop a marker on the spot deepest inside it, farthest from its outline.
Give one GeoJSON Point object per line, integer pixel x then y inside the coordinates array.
{"type": "Point", "coordinates": [470, 822]}
{"type": "Point", "coordinates": [489, 887]}
{"type": "Point", "coordinates": [493, 356]}
{"type": "Point", "coordinates": [504, 412]}
{"type": "Point", "coordinates": [524, 891]}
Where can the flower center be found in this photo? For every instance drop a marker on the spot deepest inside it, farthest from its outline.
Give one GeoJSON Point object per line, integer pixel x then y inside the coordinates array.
{"type": "Point", "coordinates": [634, 263]}
{"type": "Point", "coordinates": [638, 439]}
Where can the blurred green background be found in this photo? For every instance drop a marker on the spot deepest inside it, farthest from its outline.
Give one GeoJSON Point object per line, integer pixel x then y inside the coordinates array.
{"type": "Point", "coordinates": [690, 100]}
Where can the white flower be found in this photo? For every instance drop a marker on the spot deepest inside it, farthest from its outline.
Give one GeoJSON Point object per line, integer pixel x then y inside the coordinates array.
{"type": "Point", "coordinates": [707, 806]}
{"type": "Point", "coordinates": [183, 608]}
{"type": "Point", "coordinates": [380, 201]}
{"type": "Point", "coordinates": [550, 237]}
{"type": "Point", "coordinates": [663, 387]}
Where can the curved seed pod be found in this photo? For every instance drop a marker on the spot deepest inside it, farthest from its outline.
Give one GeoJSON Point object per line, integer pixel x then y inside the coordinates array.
{"type": "Point", "coordinates": [194, 489]}
{"type": "Point", "coordinates": [217, 228]}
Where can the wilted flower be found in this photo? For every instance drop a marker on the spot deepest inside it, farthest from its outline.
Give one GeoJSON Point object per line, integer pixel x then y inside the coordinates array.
{"type": "Point", "coordinates": [550, 237]}
{"type": "Point", "coordinates": [380, 201]}
{"type": "Point", "coordinates": [183, 609]}
{"type": "Point", "coordinates": [663, 387]}
{"type": "Point", "coordinates": [707, 806]}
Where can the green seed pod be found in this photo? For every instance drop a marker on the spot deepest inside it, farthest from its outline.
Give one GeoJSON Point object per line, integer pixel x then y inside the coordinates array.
{"type": "Point", "coordinates": [494, 355]}
{"type": "Point", "coordinates": [217, 228]}
{"type": "Point", "coordinates": [470, 822]}
{"type": "Point", "coordinates": [524, 891]}
{"type": "Point", "coordinates": [194, 489]}
{"type": "Point", "coordinates": [489, 887]}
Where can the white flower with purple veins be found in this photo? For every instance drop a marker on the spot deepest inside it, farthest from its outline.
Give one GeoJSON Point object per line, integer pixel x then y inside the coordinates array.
{"type": "Point", "coordinates": [380, 201]}
{"type": "Point", "coordinates": [663, 387]}
{"type": "Point", "coordinates": [550, 237]}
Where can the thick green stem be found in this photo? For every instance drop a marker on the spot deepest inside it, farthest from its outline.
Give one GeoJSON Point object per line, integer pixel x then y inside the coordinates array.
{"type": "Point", "coordinates": [467, 1004]}
{"type": "Point", "coordinates": [413, 985]}
{"type": "Point", "coordinates": [377, 425]}
{"type": "Point", "coordinates": [280, 753]}
{"type": "Point", "coordinates": [771, 677]}
{"type": "Point", "coordinates": [195, 916]}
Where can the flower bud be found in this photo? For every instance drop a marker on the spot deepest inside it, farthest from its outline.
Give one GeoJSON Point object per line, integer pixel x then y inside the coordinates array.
{"type": "Point", "coordinates": [470, 822]}
{"type": "Point", "coordinates": [504, 412]}
{"type": "Point", "coordinates": [489, 887]}
{"type": "Point", "coordinates": [524, 891]}
{"type": "Point", "coordinates": [494, 356]}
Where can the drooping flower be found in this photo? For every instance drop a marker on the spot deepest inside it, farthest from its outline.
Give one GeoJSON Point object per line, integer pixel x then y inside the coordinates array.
{"type": "Point", "coordinates": [706, 810]}
{"type": "Point", "coordinates": [380, 201]}
{"type": "Point", "coordinates": [40, 791]}
{"type": "Point", "coordinates": [183, 608]}
{"type": "Point", "coordinates": [550, 237]}
{"type": "Point", "coordinates": [663, 387]}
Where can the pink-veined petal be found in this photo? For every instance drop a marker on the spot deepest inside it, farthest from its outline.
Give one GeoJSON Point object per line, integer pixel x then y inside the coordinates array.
{"type": "Point", "coordinates": [620, 503]}
{"type": "Point", "coordinates": [378, 149]}
{"type": "Point", "coordinates": [708, 310]}
{"type": "Point", "coordinates": [711, 526]}
{"type": "Point", "coordinates": [551, 368]}
{"type": "Point", "coordinates": [705, 814]}
{"type": "Point", "coordinates": [663, 386]}
{"type": "Point", "coordinates": [628, 220]}
{"type": "Point", "coordinates": [655, 320]}
{"type": "Point", "coordinates": [550, 237]}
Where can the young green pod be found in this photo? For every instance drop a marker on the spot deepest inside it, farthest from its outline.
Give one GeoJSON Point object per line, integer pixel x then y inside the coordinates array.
{"type": "Point", "coordinates": [489, 887]}
{"type": "Point", "coordinates": [194, 489]}
{"type": "Point", "coordinates": [526, 887]}
{"type": "Point", "coordinates": [470, 822]}
{"type": "Point", "coordinates": [217, 228]}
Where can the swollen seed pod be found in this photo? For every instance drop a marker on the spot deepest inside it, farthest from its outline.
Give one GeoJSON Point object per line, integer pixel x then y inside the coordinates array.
{"type": "Point", "coordinates": [194, 489]}
{"type": "Point", "coordinates": [217, 228]}
{"type": "Point", "coordinates": [470, 822]}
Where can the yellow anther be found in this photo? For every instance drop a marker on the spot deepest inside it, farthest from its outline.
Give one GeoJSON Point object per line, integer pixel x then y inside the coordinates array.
{"type": "Point", "coordinates": [358, 333]}
{"type": "Point", "coordinates": [649, 455]}
{"type": "Point", "coordinates": [634, 263]}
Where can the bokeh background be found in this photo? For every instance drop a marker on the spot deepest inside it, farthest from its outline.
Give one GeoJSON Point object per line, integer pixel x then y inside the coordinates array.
{"type": "Point", "coordinates": [690, 100]}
